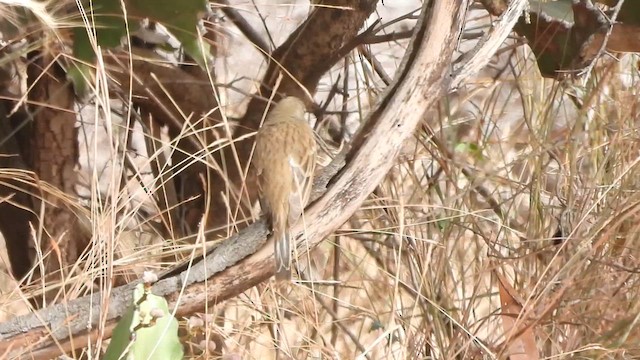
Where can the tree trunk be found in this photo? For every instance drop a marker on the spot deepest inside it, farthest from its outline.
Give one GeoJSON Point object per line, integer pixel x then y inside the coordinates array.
{"type": "Point", "coordinates": [53, 158]}
{"type": "Point", "coordinates": [15, 205]}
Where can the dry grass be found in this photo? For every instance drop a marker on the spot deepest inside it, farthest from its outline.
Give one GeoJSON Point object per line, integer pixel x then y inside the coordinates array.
{"type": "Point", "coordinates": [527, 178]}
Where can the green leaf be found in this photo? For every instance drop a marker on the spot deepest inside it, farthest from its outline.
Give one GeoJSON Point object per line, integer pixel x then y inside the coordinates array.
{"type": "Point", "coordinates": [81, 75]}
{"type": "Point", "coordinates": [120, 339]}
{"type": "Point", "coordinates": [442, 224]}
{"type": "Point", "coordinates": [106, 26]}
{"type": "Point", "coordinates": [180, 18]}
{"type": "Point", "coordinates": [146, 331]}
{"type": "Point", "coordinates": [376, 325]}
{"type": "Point", "coordinates": [470, 148]}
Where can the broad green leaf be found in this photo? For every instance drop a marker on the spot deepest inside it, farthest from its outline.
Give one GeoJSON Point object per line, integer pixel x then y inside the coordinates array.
{"type": "Point", "coordinates": [105, 26]}
{"type": "Point", "coordinates": [180, 18]}
{"type": "Point", "coordinates": [121, 337]}
{"type": "Point", "coordinates": [147, 331]}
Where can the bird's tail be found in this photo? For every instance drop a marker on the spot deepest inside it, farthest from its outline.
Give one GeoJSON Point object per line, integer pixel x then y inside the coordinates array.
{"type": "Point", "coordinates": [282, 253]}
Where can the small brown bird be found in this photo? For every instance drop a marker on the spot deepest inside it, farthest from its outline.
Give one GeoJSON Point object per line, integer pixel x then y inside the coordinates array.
{"type": "Point", "coordinates": [284, 161]}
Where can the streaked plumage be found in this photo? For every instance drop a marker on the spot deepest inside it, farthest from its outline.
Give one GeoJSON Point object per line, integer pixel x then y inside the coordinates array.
{"type": "Point", "coordinates": [284, 162]}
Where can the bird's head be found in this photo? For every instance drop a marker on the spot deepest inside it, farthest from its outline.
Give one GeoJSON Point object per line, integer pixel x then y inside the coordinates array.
{"type": "Point", "coordinates": [292, 106]}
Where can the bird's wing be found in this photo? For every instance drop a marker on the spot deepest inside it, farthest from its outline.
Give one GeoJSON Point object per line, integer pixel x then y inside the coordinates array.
{"type": "Point", "coordinates": [259, 163]}
{"type": "Point", "coordinates": [302, 168]}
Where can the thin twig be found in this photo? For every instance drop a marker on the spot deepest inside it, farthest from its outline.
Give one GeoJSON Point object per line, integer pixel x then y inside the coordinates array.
{"type": "Point", "coordinates": [335, 318]}
{"type": "Point", "coordinates": [392, 36]}
{"type": "Point", "coordinates": [264, 24]}
{"type": "Point", "coordinates": [587, 71]}
{"type": "Point", "coordinates": [377, 66]}
{"type": "Point", "coordinates": [245, 27]}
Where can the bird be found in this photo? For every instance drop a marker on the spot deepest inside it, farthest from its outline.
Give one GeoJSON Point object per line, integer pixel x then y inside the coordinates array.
{"type": "Point", "coordinates": [284, 161]}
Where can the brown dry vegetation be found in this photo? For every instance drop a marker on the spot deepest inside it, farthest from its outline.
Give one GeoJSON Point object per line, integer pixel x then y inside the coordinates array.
{"type": "Point", "coordinates": [511, 215]}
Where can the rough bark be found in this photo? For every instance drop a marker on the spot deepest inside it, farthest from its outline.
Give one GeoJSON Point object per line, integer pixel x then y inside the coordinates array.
{"type": "Point", "coordinates": [15, 202]}
{"type": "Point", "coordinates": [53, 158]}
{"type": "Point", "coordinates": [422, 79]}
{"type": "Point", "coordinates": [171, 95]}
{"type": "Point", "coordinates": [307, 54]}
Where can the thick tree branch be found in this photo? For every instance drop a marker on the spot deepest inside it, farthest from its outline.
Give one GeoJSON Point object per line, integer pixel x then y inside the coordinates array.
{"type": "Point", "coordinates": [170, 94]}
{"type": "Point", "coordinates": [307, 54]}
{"type": "Point", "coordinates": [478, 58]}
